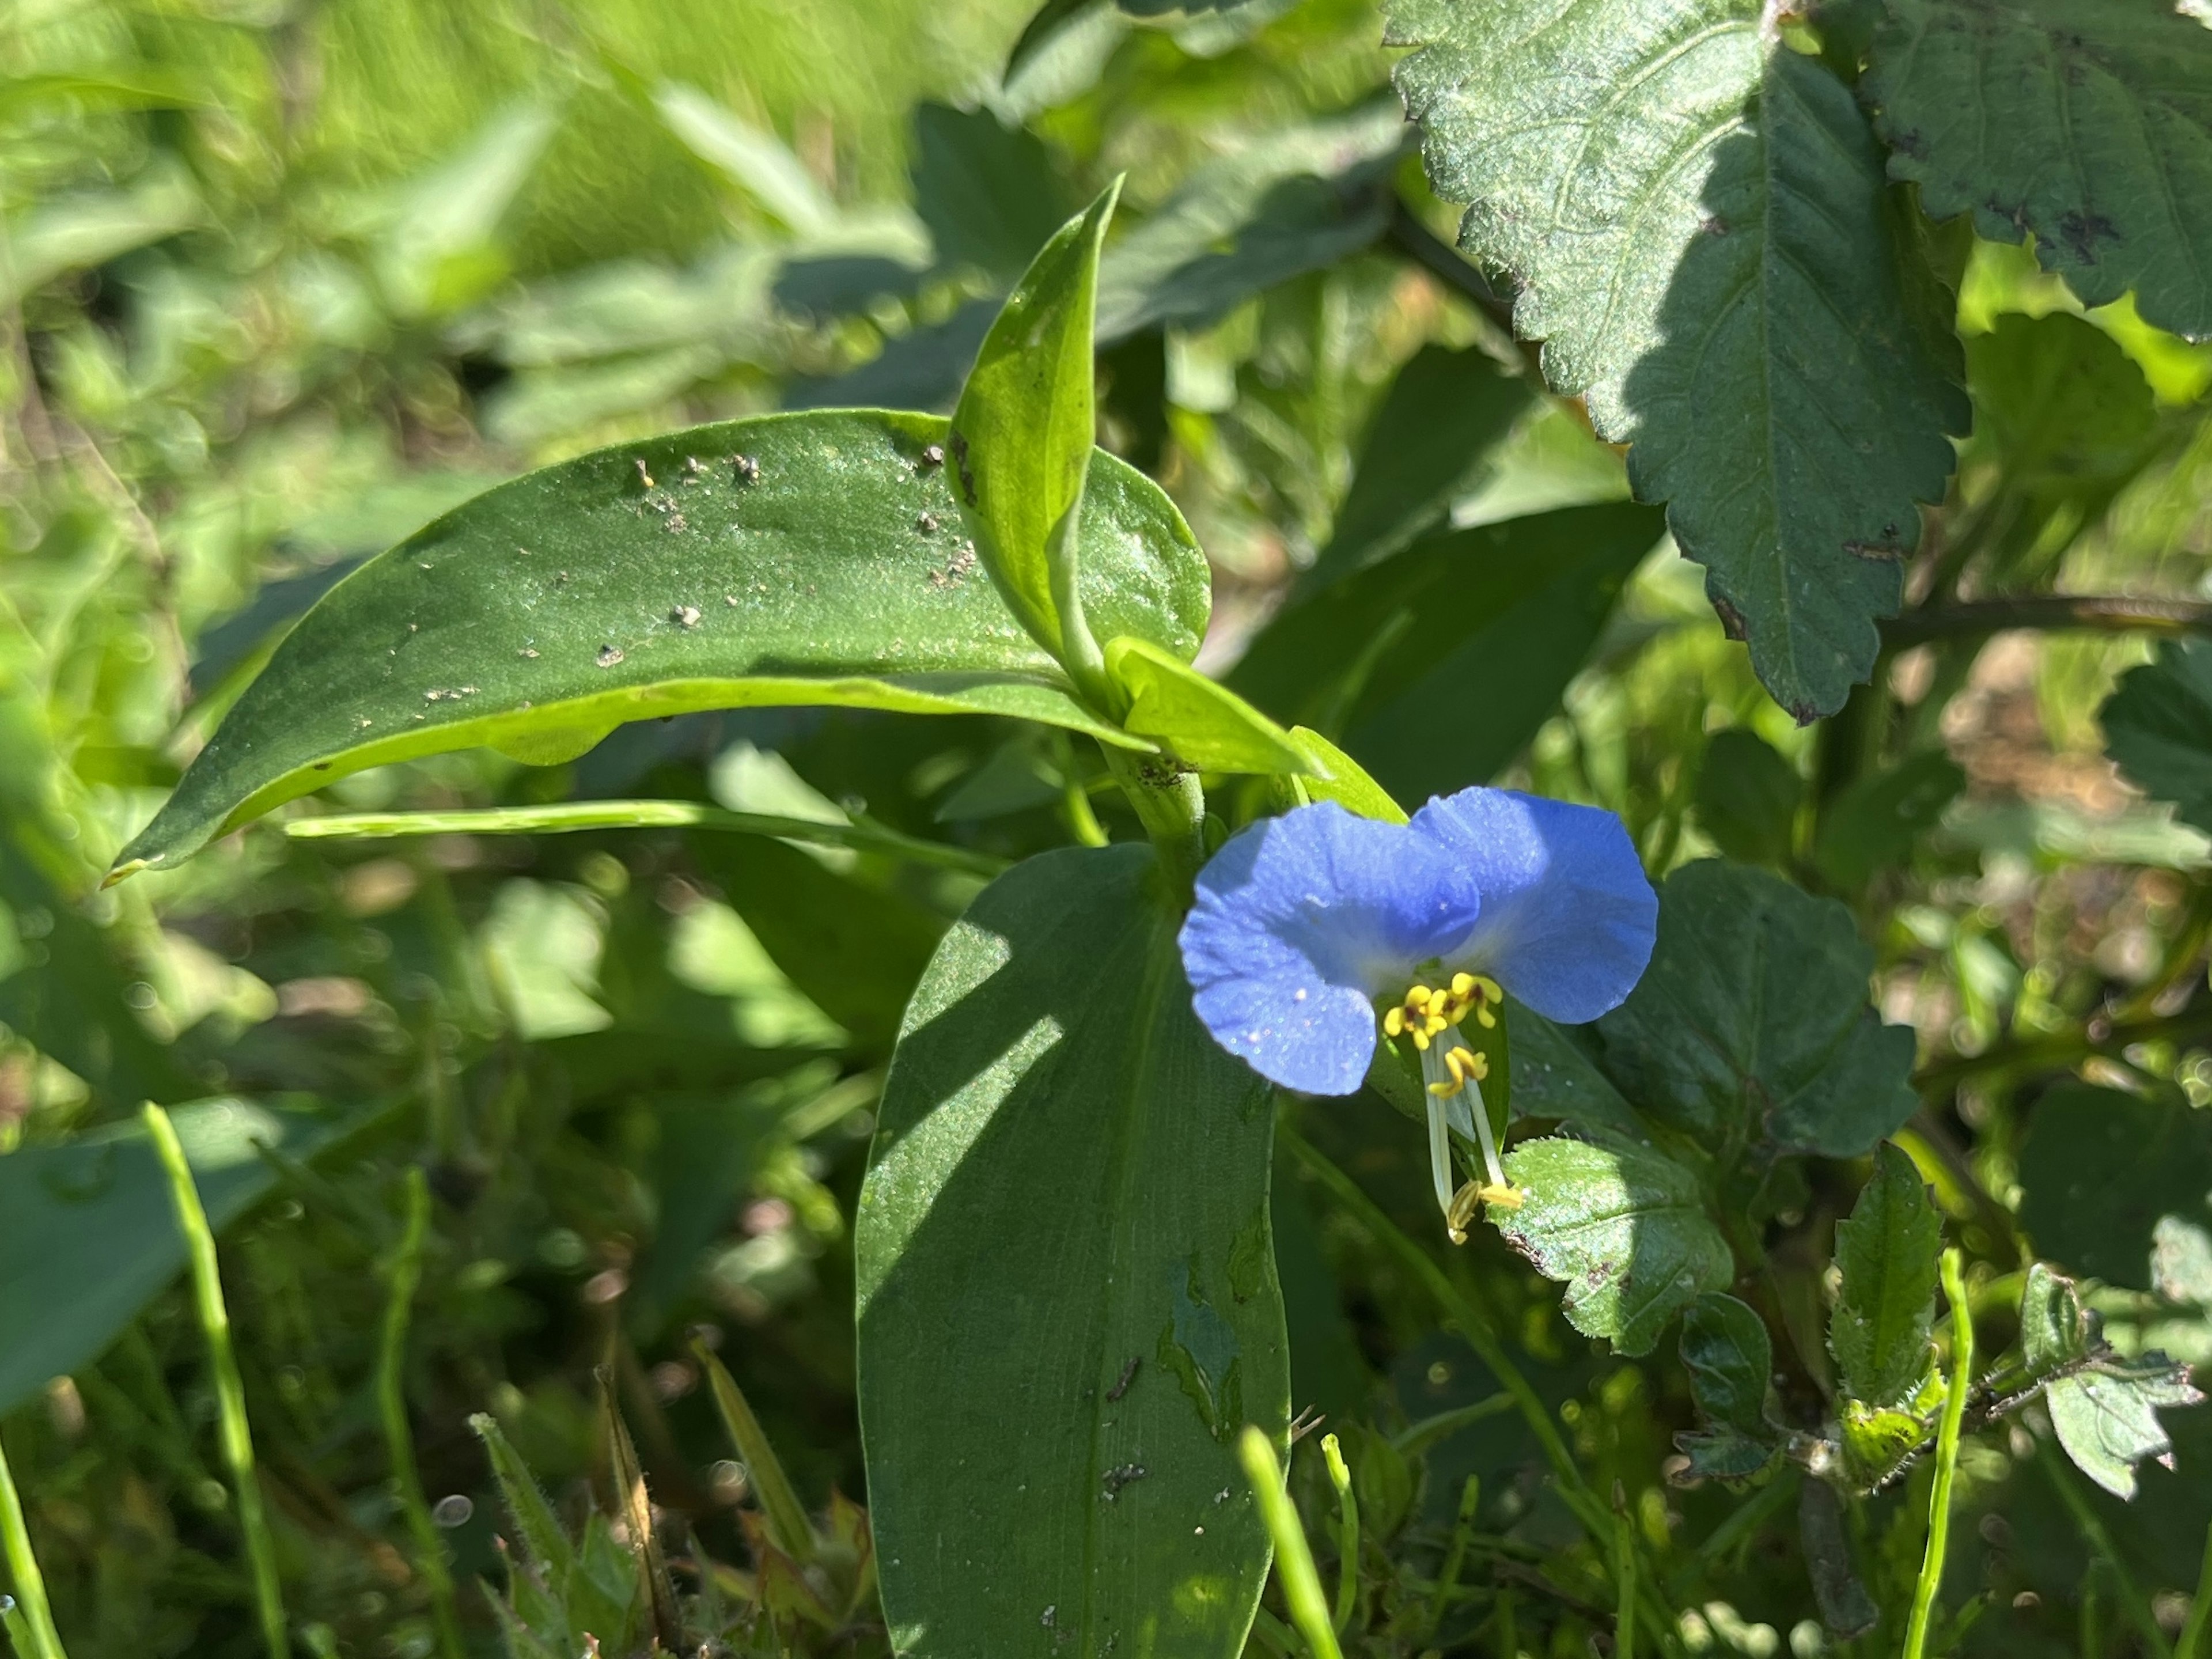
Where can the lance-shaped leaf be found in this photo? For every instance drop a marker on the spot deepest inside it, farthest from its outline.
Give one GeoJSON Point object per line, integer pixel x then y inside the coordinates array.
{"type": "Point", "coordinates": [1623, 1226]}
{"type": "Point", "coordinates": [1699, 223]}
{"type": "Point", "coordinates": [1022, 439]}
{"type": "Point", "coordinates": [811, 558]}
{"type": "Point", "coordinates": [2158, 726]}
{"type": "Point", "coordinates": [1729, 1356]}
{"type": "Point", "coordinates": [1752, 1023]}
{"type": "Point", "coordinates": [1204, 723]}
{"type": "Point", "coordinates": [2104, 1406]}
{"type": "Point", "coordinates": [2086, 123]}
{"type": "Point", "coordinates": [1067, 1297]}
{"type": "Point", "coordinates": [1885, 1304]}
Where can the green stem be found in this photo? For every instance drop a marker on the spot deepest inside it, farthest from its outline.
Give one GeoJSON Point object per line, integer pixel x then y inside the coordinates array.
{"type": "Point", "coordinates": [2092, 1528]}
{"type": "Point", "coordinates": [1946, 1457]}
{"type": "Point", "coordinates": [2189, 1644]}
{"type": "Point", "coordinates": [1623, 1577]}
{"type": "Point", "coordinates": [1347, 1533]}
{"type": "Point", "coordinates": [1074, 798]}
{"type": "Point", "coordinates": [1470, 1499]}
{"type": "Point", "coordinates": [392, 1406]}
{"type": "Point", "coordinates": [1171, 806]}
{"type": "Point", "coordinates": [1294, 1562]}
{"type": "Point", "coordinates": [2097, 613]}
{"type": "Point", "coordinates": [31, 1622]}
{"type": "Point", "coordinates": [230, 1388]}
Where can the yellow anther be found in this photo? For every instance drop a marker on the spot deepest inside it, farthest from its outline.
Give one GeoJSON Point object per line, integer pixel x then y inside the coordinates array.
{"type": "Point", "coordinates": [1463, 984]}
{"type": "Point", "coordinates": [1470, 1199]}
{"type": "Point", "coordinates": [1394, 1021]}
{"type": "Point", "coordinates": [1462, 1063]}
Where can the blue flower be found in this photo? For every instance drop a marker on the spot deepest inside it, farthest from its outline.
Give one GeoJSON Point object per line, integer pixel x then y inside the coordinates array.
{"type": "Point", "coordinates": [1311, 929]}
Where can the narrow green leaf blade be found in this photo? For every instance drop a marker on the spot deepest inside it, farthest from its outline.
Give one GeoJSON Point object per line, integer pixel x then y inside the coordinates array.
{"type": "Point", "coordinates": [1713, 232]}
{"type": "Point", "coordinates": [810, 558]}
{"type": "Point", "coordinates": [1623, 1227]}
{"type": "Point", "coordinates": [2085, 122]}
{"type": "Point", "coordinates": [1203, 722]}
{"type": "Point", "coordinates": [1067, 1296]}
{"type": "Point", "coordinates": [1887, 1254]}
{"type": "Point", "coordinates": [1021, 433]}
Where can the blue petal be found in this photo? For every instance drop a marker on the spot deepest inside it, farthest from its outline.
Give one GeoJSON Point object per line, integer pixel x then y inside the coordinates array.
{"type": "Point", "coordinates": [1568, 915]}
{"type": "Point", "coordinates": [1299, 922]}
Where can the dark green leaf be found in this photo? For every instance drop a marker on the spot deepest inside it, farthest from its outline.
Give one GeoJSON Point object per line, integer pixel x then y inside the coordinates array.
{"type": "Point", "coordinates": [1438, 664]}
{"type": "Point", "coordinates": [1433, 441]}
{"type": "Point", "coordinates": [1875, 823]}
{"type": "Point", "coordinates": [1287, 202]}
{"type": "Point", "coordinates": [1885, 1303]}
{"type": "Point", "coordinates": [1748, 797]}
{"type": "Point", "coordinates": [1712, 231]}
{"type": "Point", "coordinates": [1622, 1226]}
{"type": "Point", "coordinates": [2158, 726]}
{"type": "Point", "coordinates": [543, 613]}
{"type": "Point", "coordinates": [2086, 123]}
{"type": "Point", "coordinates": [1021, 440]}
{"type": "Point", "coordinates": [2100, 1166]}
{"type": "Point", "coordinates": [1200, 721]}
{"type": "Point", "coordinates": [1067, 1295]}
{"type": "Point", "coordinates": [1845, 1607]}
{"type": "Point", "coordinates": [1554, 1076]}
{"type": "Point", "coordinates": [1752, 1022]}
{"type": "Point", "coordinates": [991, 196]}
{"type": "Point", "coordinates": [88, 1237]}
{"type": "Point", "coordinates": [921, 369]}
{"type": "Point", "coordinates": [1729, 1356]}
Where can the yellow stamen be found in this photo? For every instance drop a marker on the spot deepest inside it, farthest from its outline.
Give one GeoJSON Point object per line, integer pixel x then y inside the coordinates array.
{"type": "Point", "coordinates": [1428, 1011]}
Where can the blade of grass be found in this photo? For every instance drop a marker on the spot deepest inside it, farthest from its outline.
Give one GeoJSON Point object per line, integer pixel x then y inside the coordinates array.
{"type": "Point", "coordinates": [1294, 1562]}
{"type": "Point", "coordinates": [634, 1505]}
{"type": "Point", "coordinates": [788, 1528]}
{"type": "Point", "coordinates": [30, 1620]}
{"type": "Point", "coordinates": [571, 817]}
{"type": "Point", "coordinates": [392, 1407]}
{"type": "Point", "coordinates": [237, 1438]}
{"type": "Point", "coordinates": [1347, 1533]}
{"type": "Point", "coordinates": [1946, 1458]}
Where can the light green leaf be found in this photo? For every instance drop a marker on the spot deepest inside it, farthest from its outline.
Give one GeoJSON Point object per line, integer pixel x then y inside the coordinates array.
{"type": "Point", "coordinates": [2158, 728]}
{"type": "Point", "coordinates": [1021, 440]}
{"type": "Point", "coordinates": [2085, 122]}
{"type": "Point", "coordinates": [1332, 775]}
{"type": "Point", "coordinates": [1752, 1023]}
{"type": "Point", "coordinates": [1887, 1252]}
{"type": "Point", "coordinates": [1729, 1356]}
{"type": "Point", "coordinates": [1876, 822]}
{"type": "Point", "coordinates": [90, 228]}
{"type": "Point", "coordinates": [1697, 220]}
{"type": "Point", "coordinates": [1437, 666]}
{"type": "Point", "coordinates": [629, 583]}
{"type": "Point", "coordinates": [1200, 721]}
{"type": "Point", "coordinates": [88, 1237]}
{"type": "Point", "coordinates": [1067, 1297]}
{"type": "Point", "coordinates": [2104, 1405]}
{"type": "Point", "coordinates": [1623, 1226]}
{"type": "Point", "coordinates": [2065, 412]}
{"type": "Point", "coordinates": [2055, 1329]}
{"type": "Point", "coordinates": [1748, 797]}
{"type": "Point", "coordinates": [2100, 1166]}
{"type": "Point", "coordinates": [1878, 1441]}
{"type": "Point", "coordinates": [758, 163]}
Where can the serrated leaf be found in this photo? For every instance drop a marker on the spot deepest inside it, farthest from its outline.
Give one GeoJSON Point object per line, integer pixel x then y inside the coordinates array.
{"type": "Point", "coordinates": [1877, 1440]}
{"type": "Point", "coordinates": [1067, 1297]}
{"type": "Point", "coordinates": [1748, 797]}
{"type": "Point", "coordinates": [2085, 122]}
{"type": "Point", "coordinates": [1622, 1226]}
{"type": "Point", "coordinates": [2107, 1416]}
{"type": "Point", "coordinates": [2100, 1166]}
{"type": "Point", "coordinates": [2158, 728]}
{"type": "Point", "coordinates": [1198, 719]}
{"type": "Point", "coordinates": [1438, 665]}
{"type": "Point", "coordinates": [1555, 1076]}
{"type": "Point", "coordinates": [544, 613]}
{"type": "Point", "coordinates": [1887, 1254]}
{"type": "Point", "coordinates": [1752, 1021]}
{"type": "Point", "coordinates": [1698, 223]}
{"type": "Point", "coordinates": [1729, 1356]}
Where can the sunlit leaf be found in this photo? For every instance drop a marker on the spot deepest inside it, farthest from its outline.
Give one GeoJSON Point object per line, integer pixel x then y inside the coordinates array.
{"type": "Point", "coordinates": [1886, 1252]}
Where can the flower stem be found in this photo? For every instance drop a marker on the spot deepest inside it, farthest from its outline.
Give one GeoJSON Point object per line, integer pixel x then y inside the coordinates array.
{"type": "Point", "coordinates": [1294, 1562]}
{"type": "Point", "coordinates": [392, 1407]}
{"type": "Point", "coordinates": [1172, 808]}
{"type": "Point", "coordinates": [229, 1387]}
{"type": "Point", "coordinates": [30, 1620]}
{"type": "Point", "coordinates": [1946, 1458]}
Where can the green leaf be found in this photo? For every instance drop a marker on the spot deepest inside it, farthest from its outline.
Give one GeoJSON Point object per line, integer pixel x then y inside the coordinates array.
{"type": "Point", "coordinates": [2055, 1329]}
{"type": "Point", "coordinates": [1885, 1304]}
{"type": "Point", "coordinates": [1553, 1076]}
{"type": "Point", "coordinates": [87, 1237]}
{"type": "Point", "coordinates": [1200, 721]}
{"type": "Point", "coordinates": [1697, 220]}
{"type": "Point", "coordinates": [1748, 797]}
{"type": "Point", "coordinates": [2060, 408]}
{"type": "Point", "coordinates": [2104, 1406]}
{"type": "Point", "coordinates": [1878, 1441]}
{"type": "Point", "coordinates": [1284, 202]}
{"type": "Point", "coordinates": [2086, 123]}
{"type": "Point", "coordinates": [546, 611]}
{"type": "Point", "coordinates": [2158, 728]}
{"type": "Point", "coordinates": [1752, 1023]}
{"type": "Point", "coordinates": [1876, 823]}
{"type": "Point", "coordinates": [990, 196]}
{"type": "Point", "coordinates": [1067, 1287]}
{"type": "Point", "coordinates": [1332, 775]}
{"type": "Point", "coordinates": [1729, 1356]}
{"type": "Point", "coordinates": [1437, 665]}
{"type": "Point", "coordinates": [1623, 1226]}
{"type": "Point", "coordinates": [1021, 440]}
{"type": "Point", "coordinates": [1434, 442]}
{"type": "Point", "coordinates": [2097, 1170]}
{"type": "Point", "coordinates": [75, 231]}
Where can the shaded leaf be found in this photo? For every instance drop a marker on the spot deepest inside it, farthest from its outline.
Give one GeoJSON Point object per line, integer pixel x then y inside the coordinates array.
{"type": "Point", "coordinates": [1748, 797]}
{"type": "Point", "coordinates": [2098, 1169]}
{"type": "Point", "coordinates": [990, 195]}
{"type": "Point", "coordinates": [2060, 407]}
{"type": "Point", "coordinates": [1875, 823]}
{"type": "Point", "coordinates": [1886, 1253]}
{"type": "Point", "coordinates": [1729, 1356]}
{"type": "Point", "coordinates": [1715, 233]}
{"type": "Point", "coordinates": [542, 614]}
{"type": "Point", "coordinates": [2086, 123]}
{"type": "Point", "coordinates": [1845, 1607]}
{"type": "Point", "coordinates": [1752, 1021]}
{"type": "Point", "coordinates": [2158, 728]}
{"type": "Point", "coordinates": [1057, 1419]}
{"type": "Point", "coordinates": [1622, 1226]}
